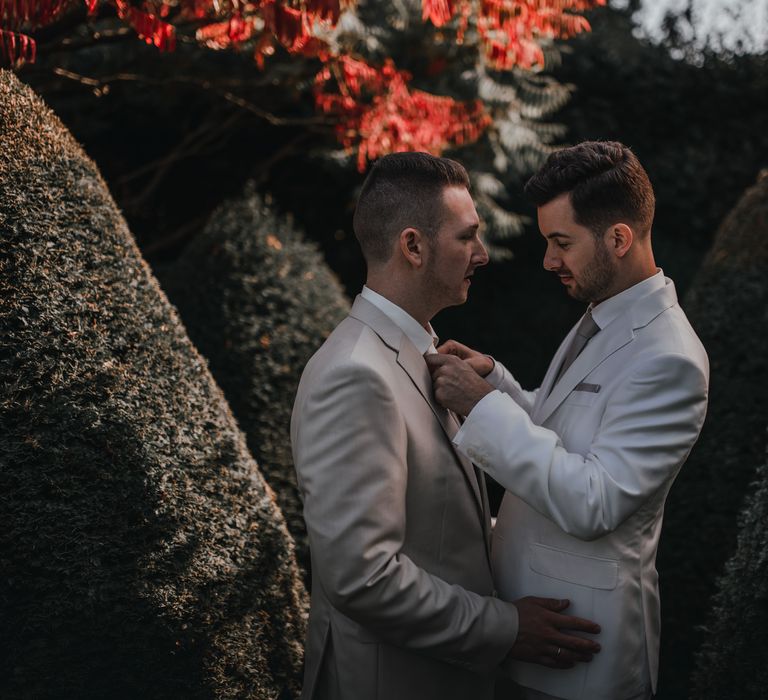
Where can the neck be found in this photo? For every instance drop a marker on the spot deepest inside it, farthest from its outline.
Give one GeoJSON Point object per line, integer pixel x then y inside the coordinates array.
{"type": "Point", "coordinates": [633, 272]}
{"type": "Point", "coordinates": [392, 287]}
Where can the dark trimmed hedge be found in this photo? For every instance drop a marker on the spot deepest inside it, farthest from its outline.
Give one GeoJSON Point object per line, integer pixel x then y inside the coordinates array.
{"type": "Point", "coordinates": [258, 300]}
{"type": "Point", "coordinates": [733, 663]}
{"type": "Point", "coordinates": [728, 306]}
{"type": "Point", "coordinates": [141, 553]}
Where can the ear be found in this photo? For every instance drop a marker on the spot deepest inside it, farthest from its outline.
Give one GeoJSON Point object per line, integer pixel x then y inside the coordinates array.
{"type": "Point", "coordinates": [620, 238]}
{"type": "Point", "coordinates": [412, 246]}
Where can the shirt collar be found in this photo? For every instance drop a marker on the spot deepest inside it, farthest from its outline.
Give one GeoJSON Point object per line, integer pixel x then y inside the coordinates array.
{"type": "Point", "coordinates": [422, 338]}
{"type": "Point", "coordinates": [606, 311]}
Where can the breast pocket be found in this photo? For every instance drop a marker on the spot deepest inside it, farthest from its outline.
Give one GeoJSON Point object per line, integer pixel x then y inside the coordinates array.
{"type": "Point", "coordinates": [584, 394]}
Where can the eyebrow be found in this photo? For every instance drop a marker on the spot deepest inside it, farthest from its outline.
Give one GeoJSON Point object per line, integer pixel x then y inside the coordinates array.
{"type": "Point", "coordinates": [557, 234]}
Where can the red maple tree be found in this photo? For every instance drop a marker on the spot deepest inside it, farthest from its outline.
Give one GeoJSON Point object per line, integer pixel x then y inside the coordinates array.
{"type": "Point", "coordinates": [375, 109]}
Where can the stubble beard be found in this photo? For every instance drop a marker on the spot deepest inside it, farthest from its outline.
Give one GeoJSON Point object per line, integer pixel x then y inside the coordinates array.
{"type": "Point", "coordinates": [441, 293]}
{"type": "Point", "coordinates": [597, 279]}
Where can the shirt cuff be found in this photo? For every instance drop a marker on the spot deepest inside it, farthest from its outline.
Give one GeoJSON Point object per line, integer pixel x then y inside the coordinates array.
{"type": "Point", "coordinates": [475, 416]}
{"type": "Point", "coordinates": [496, 376]}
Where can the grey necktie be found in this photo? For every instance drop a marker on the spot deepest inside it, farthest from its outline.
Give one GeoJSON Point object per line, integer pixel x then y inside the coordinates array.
{"type": "Point", "coordinates": [587, 328]}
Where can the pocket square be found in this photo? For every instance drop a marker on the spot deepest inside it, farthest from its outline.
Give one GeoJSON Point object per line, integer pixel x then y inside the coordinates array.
{"type": "Point", "coordinates": [592, 388]}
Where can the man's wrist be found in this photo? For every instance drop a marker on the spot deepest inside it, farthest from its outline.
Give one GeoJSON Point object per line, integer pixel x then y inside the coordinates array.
{"type": "Point", "coordinates": [493, 366]}
{"type": "Point", "coordinates": [479, 395]}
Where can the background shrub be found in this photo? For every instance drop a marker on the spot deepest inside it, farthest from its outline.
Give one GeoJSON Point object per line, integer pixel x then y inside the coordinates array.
{"type": "Point", "coordinates": [728, 306]}
{"type": "Point", "coordinates": [731, 665]}
{"type": "Point", "coordinates": [257, 301]}
{"type": "Point", "coordinates": [142, 554]}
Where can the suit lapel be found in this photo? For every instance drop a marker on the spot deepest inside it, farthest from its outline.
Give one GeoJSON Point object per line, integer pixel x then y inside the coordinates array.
{"type": "Point", "coordinates": [596, 351]}
{"type": "Point", "coordinates": [409, 359]}
{"type": "Point", "coordinates": [412, 362]}
{"type": "Point", "coordinates": [610, 339]}
{"type": "Point", "coordinates": [549, 377]}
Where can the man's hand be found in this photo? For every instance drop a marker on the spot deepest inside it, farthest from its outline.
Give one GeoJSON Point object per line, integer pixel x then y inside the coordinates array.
{"type": "Point", "coordinates": [540, 638]}
{"type": "Point", "coordinates": [457, 386]}
{"type": "Point", "coordinates": [482, 364]}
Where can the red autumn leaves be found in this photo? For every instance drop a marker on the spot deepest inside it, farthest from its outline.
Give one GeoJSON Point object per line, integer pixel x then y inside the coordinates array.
{"type": "Point", "coordinates": [378, 113]}
{"type": "Point", "coordinates": [375, 108]}
{"type": "Point", "coordinates": [510, 30]}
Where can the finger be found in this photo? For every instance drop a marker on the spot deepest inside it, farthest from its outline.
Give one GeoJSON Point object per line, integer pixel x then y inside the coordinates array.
{"type": "Point", "coordinates": [577, 624]}
{"type": "Point", "coordinates": [554, 604]}
{"type": "Point", "coordinates": [435, 361]}
{"type": "Point", "coordinates": [561, 656]}
{"type": "Point", "coordinates": [453, 347]}
{"type": "Point", "coordinates": [577, 645]}
{"type": "Point", "coordinates": [573, 657]}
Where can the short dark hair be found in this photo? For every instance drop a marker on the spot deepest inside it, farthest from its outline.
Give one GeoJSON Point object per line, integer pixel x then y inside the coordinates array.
{"type": "Point", "coordinates": [403, 190]}
{"type": "Point", "coordinates": [606, 183]}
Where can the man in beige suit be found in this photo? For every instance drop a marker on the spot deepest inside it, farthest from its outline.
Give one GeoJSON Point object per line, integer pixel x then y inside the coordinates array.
{"type": "Point", "coordinates": [402, 602]}
{"type": "Point", "coordinates": [588, 458]}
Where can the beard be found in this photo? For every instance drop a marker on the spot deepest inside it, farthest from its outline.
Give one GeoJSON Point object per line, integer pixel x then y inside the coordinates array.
{"type": "Point", "coordinates": [442, 291]}
{"type": "Point", "coordinates": [597, 278]}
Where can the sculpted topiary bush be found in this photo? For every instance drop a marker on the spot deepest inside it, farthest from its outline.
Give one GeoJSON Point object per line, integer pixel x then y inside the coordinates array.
{"type": "Point", "coordinates": [141, 553]}
{"type": "Point", "coordinates": [728, 307]}
{"type": "Point", "coordinates": [732, 664]}
{"type": "Point", "coordinates": [258, 300]}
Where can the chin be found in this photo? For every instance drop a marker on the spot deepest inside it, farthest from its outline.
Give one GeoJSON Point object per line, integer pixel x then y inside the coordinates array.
{"type": "Point", "coordinates": [578, 293]}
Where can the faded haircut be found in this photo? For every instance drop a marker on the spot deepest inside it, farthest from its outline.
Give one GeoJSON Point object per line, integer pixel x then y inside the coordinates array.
{"type": "Point", "coordinates": [403, 190]}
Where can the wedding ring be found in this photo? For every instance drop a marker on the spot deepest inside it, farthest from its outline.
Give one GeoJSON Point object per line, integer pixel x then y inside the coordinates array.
{"type": "Point", "coordinates": [559, 649]}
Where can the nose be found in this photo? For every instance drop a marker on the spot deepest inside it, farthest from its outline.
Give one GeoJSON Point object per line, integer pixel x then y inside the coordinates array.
{"type": "Point", "coordinates": [551, 260]}
{"type": "Point", "coordinates": [480, 254]}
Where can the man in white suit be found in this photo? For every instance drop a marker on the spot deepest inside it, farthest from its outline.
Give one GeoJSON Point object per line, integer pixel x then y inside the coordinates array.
{"type": "Point", "coordinates": [402, 602]}
{"type": "Point", "coordinates": [589, 457]}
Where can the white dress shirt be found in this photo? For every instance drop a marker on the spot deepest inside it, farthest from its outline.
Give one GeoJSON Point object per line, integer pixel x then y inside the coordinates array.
{"type": "Point", "coordinates": [424, 339]}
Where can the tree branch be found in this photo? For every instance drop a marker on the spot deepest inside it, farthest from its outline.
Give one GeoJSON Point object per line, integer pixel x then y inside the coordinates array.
{"type": "Point", "coordinates": [206, 85]}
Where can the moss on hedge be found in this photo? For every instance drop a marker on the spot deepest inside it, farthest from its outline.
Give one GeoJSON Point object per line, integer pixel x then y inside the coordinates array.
{"type": "Point", "coordinates": [728, 307]}
{"type": "Point", "coordinates": [142, 554]}
{"type": "Point", "coordinates": [258, 300]}
{"type": "Point", "coordinates": [732, 663]}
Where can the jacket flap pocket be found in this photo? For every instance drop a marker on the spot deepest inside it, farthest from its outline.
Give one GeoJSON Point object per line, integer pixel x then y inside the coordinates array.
{"type": "Point", "coordinates": [593, 572]}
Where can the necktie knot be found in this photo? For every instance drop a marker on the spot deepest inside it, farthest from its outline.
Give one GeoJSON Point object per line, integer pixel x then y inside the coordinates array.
{"type": "Point", "coordinates": [587, 328]}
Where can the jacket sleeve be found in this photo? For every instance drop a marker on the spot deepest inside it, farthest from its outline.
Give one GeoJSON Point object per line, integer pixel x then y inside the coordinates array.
{"type": "Point", "coordinates": [650, 424]}
{"type": "Point", "coordinates": [350, 447]}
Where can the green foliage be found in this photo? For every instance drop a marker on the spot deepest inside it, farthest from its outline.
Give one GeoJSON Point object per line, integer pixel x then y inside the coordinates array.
{"type": "Point", "coordinates": [731, 665]}
{"type": "Point", "coordinates": [142, 554]}
{"type": "Point", "coordinates": [257, 301]}
{"type": "Point", "coordinates": [728, 307]}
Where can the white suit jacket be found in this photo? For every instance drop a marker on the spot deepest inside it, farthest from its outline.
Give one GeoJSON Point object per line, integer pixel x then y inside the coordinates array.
{"type": "Point", "coordinates": [402, 603]}
{"type": "Point", "coordinates": [587, 468]}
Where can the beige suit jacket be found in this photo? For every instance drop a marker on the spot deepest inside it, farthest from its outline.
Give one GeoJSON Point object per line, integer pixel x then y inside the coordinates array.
{"type": "Point", "coordinates": [402, 601]}
{"type": "Point", "coordinates": [588, 466]}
